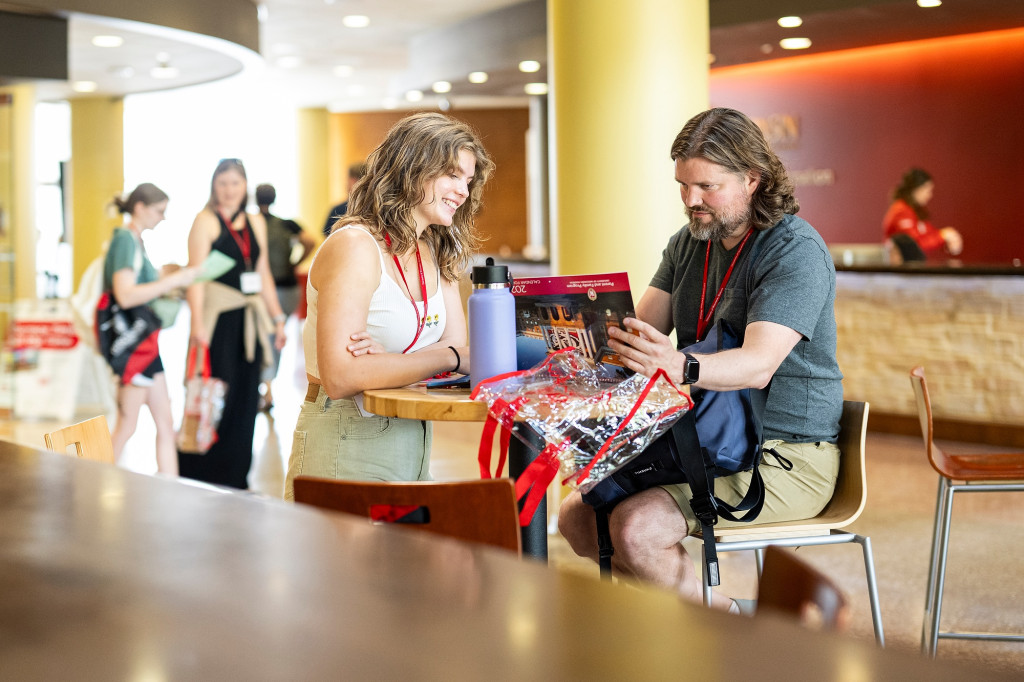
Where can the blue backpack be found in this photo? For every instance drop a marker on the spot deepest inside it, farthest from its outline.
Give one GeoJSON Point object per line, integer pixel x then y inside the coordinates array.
{"type": "Point", "coordinates": [721, 436]}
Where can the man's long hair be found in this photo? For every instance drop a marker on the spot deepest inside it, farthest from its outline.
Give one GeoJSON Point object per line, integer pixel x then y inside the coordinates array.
{"type": "Point", "coordinates": [420, 148]}
{"type": "Point", "coordinates": [730, 139]}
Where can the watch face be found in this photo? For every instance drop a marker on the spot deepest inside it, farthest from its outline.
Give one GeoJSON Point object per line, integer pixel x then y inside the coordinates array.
{"type": "Point", "coordinates": [691, 370]}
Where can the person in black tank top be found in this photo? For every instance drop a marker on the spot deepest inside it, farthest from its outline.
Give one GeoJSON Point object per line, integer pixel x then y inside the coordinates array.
{"type": "Point", "coordinates": [223, 225]}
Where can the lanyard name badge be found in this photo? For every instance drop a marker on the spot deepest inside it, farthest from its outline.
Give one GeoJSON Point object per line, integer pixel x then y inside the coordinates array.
{"type": "Point", "coordinates": [420, 321]}
{"type": "Point", "coordinates": [250, 282]}
{"type": "Point", "coordinates": [704, 321]}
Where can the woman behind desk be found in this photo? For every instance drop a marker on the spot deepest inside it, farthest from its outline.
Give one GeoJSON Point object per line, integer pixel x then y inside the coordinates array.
{"type": "Point", "coordinates": [383, 304]}
{"type": "Point", "coordinates": [906, 222]}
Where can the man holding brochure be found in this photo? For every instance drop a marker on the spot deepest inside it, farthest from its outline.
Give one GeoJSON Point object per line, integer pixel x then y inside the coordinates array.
{"type": "Point", "coordinates": [744, 257]}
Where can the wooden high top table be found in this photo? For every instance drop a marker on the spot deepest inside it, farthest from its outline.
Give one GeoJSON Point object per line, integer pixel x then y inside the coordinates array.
{"type": "Point", "coordinates": [454, 404]}
{"type": "Point", "coordinates": [112, 575]}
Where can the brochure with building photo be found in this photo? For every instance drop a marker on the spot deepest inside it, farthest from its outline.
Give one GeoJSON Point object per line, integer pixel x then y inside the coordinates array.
{"type": "Point", "coordinates": [573, 311]}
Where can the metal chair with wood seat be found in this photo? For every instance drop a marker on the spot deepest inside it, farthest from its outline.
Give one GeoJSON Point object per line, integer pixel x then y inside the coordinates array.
{"type": "Point", "coordinates": [482, 511]}
{"type": "Point", "coordinates": [976, 473]}
{"type": "Point", "coordinates": [90, 438]}
{"type": "Point", "coordinates": [847, 503]}
{"type": "Point", "coordinates": [792, 586]}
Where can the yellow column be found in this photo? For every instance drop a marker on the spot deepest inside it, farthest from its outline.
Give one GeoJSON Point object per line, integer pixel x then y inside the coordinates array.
{"type": "Point", "coordinates": [97, 175]}
{"type": "Point", "coordinates": [624, 79]}
{"type": "Point", "coordinates": [19, 222]}
{"type": "Point", "coordinates": [314, 199]}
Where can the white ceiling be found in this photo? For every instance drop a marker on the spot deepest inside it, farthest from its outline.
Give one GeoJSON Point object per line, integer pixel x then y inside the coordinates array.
{"type": "Point", "coordinates": [411, 43]}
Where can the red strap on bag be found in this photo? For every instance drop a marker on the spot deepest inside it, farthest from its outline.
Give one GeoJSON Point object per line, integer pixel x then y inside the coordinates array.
{"type": "Point", "coordinates": [190, 363]}
{"type": "Point", "coordinates": [508, 412]}
{"type": "Point", "coordinates": [660, 373]}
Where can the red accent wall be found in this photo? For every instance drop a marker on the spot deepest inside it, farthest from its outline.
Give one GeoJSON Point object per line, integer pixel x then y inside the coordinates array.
{"type": "Point", "coordinates": [953, 106]}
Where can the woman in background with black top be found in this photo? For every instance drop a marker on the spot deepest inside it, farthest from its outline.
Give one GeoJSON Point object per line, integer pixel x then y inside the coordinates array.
{"type": "Point", "coordinates": [129, 274]}
{"type": "Point", "coordinates": [234, 317]}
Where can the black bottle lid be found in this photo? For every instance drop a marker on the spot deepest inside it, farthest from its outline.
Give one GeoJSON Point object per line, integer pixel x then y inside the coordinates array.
{"type": "Point", "coordinates": [490, 274]}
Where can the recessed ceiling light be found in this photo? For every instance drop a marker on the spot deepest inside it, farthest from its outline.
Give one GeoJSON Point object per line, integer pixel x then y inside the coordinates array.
{"type": "Point", "coordinates": [356, 21]}
{"type": "Point", "coordinates": [84, 86]}
{"type": "Point", "coordinates": [343, 70]}
{"type": "Point", "coordinates": [414, 95]}
{"type": "Point", "coordinates": [289, 61]}
{"type": "Point", "coordinates": [441, 87]}
{"type": "Point", "coordinates": [929, 3]}
{"type": "Point", "coordinates": [536, 88]}
{"type": "Point", "coordinates": [795, 43]}
{"type": "Point", "coordinates": [389, 103]}
{"type": "Point", "coordinates": [163, 71]}
{"type": "Point", "coordinates": [107, 41]}
{"type": "Point", "coordinates": [121, 71]}
{"type": "Point", "coordinates": [163, 57]}
{"type": "Point", "coordinates": [529, 66]}
{"type": "Point", "coordinates": [790, 22]}
{"type": "Point", "coordinates": [478, 77]}
{"type": "Point", "coordinates": [767, 48]}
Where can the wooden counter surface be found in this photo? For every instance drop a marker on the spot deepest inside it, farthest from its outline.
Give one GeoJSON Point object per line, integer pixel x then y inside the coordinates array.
{"type": "Point", "coordinates": [416, 402]}
{"type": "Point", "coordinates": [113, 575]}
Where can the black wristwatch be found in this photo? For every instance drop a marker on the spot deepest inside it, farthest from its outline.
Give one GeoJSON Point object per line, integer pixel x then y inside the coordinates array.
{"type": "Point", "coordinates": [691, 369]}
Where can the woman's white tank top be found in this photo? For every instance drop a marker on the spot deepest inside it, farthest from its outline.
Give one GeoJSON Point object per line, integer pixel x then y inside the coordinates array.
{"type": "Point", "coordinates": [390, 320]}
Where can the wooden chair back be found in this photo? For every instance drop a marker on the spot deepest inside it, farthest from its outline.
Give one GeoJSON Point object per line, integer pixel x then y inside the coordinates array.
{"type": "Point", "coordinates": [792, 586]}
{"type": "Point", "coordinates": [90, 438]}
{"type": "Point", "coordinates": [936, 457]}
{"type": "Point", "coordinates": [483, 511]}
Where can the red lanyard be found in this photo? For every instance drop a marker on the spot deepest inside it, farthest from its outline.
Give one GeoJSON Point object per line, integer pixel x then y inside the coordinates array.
{"type": "Point", "coordinates": [420, 322]}
{"type": "Point", "coordinates": [702, 320]}
{"type": "Point", "coordinates": [244, 245]}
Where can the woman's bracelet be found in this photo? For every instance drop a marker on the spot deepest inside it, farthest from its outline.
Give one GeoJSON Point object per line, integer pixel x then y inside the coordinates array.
{"type": "Point", "coordinates": [279, 318]}
{"type": "Point", "coordinates": [458, 359]}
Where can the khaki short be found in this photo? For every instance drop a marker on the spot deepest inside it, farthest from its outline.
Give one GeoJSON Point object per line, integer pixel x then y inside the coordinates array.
{"type": "Point", "coordinates": [799, 493]}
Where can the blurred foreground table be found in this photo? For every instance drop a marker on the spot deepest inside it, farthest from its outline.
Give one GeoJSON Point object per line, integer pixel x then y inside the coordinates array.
{"type": "Point", "coordinates": [112, 575]}
{"type": "Point", "coordinates": [454, 404]}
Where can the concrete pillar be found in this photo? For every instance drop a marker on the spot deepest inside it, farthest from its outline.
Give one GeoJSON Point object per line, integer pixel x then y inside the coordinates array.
{"type": "Point", "coordinates": [314, 169]}
{"type": "Point", "coordinates": [17, 197]}
{"type": "Point", "coordinates": [97, 176]}
{"type": "Point", "coordinates": [624, 79]}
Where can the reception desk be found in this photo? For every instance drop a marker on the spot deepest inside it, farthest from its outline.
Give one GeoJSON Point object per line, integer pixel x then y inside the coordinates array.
{"type": "Point", "coordinates": [964, 324]}
{"type": "Point", "coordinates": [112, 575]}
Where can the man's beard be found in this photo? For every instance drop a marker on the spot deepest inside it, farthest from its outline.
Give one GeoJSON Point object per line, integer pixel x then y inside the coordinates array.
{"type": "Point", "coordinates": [719, 227]}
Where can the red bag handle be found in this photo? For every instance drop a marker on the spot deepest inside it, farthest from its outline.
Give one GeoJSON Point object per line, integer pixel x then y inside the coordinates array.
{"type": "Point", "coordinates": [190, 364]}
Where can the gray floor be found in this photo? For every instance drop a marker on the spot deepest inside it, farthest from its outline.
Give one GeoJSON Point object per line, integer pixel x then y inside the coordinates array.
{"type": "Point", "coordinates": [985, 583]}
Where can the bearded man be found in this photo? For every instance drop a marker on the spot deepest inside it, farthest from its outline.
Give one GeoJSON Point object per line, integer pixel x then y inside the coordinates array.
{"type": "Point", "coordinates": [747, 259]}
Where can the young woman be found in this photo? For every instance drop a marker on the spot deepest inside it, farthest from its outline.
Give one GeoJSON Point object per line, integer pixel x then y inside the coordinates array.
{"type": "Point", "coordinates": [233, 317]}
{"type": "Point", "coordinates": [383, 304]}
{"type": "Point", "coordinates": [907, 218]}
{"type": "Point", "coordinates": [130, 275]}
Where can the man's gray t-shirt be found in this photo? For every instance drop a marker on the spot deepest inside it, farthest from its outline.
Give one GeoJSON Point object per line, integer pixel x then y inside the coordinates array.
{"type": "Point", "coordinates": [784, 275]}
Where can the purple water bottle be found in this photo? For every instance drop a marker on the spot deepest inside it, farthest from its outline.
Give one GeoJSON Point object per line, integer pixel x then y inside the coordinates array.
{"type": "Point", "coordinates": [492, 323]}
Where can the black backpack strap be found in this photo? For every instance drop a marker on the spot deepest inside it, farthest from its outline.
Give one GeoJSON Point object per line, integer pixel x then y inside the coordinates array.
{"type": "Point", "coordinates": [753, 500]}
{"type": "Point", "coordinates": [696, 464]}
{"type": "Point", "coordinates": [604, 543]}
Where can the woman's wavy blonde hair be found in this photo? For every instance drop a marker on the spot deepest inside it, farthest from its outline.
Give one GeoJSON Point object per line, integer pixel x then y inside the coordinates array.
{"type": "Point", "coordinates": [418, 149]}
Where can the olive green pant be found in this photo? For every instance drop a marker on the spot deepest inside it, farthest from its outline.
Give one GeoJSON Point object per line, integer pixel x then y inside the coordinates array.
{"type": "Point", "coordinates": [334, 440]}
{"type": "Point", "coordinates": [790, 495]}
